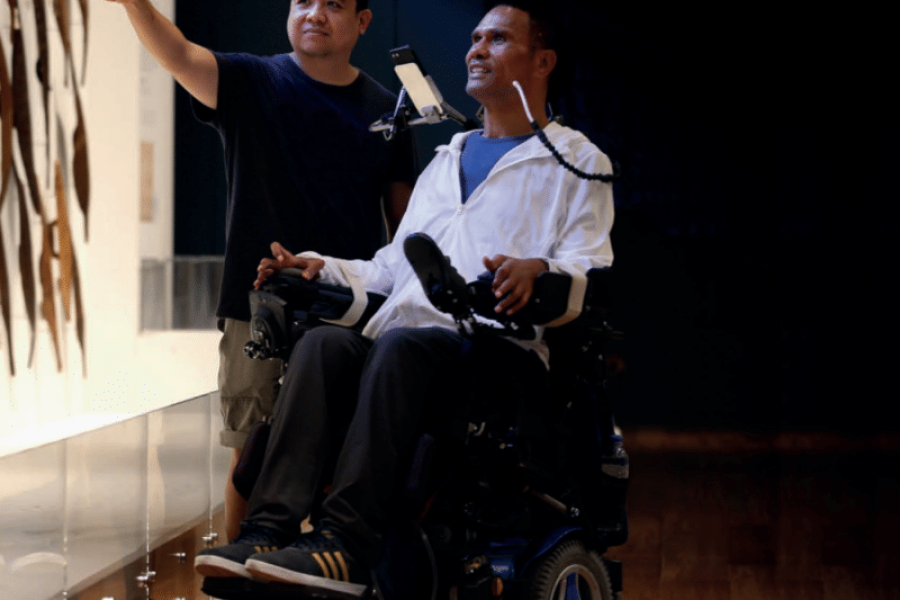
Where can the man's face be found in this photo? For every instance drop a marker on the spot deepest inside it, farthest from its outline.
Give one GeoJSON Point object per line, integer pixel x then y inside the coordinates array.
{"type": "Point", "coordinates": [501, 53]}
{"type": "Point", "coordinates": [320, 28]}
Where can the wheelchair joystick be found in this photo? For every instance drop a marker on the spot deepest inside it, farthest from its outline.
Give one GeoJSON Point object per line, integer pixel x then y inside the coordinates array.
{"type": "Point", "coordinates": [448, 291]}
{"type": "Point", "coordinates": [444, 286]}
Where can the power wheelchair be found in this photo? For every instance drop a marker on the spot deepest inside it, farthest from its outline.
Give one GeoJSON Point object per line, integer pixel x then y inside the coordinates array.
{"type": "Point", "coordinates": [488, 510]}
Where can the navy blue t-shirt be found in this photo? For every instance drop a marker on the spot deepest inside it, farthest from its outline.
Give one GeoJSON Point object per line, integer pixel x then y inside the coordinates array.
{"type": "Point", "coordinates": [302, 167]}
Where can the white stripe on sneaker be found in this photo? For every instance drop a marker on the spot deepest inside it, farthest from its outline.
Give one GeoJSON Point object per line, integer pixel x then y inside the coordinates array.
{"type": "Point", "coordinates": [269, 572]}
{"type": "Point", "coordinates": [215, 566]}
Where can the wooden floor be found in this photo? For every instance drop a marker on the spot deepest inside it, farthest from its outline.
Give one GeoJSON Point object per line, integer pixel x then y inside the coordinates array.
{"type": "Point", "coordinates": [729, 516]}
{"type": "Point", "coordinates": [714, 516]}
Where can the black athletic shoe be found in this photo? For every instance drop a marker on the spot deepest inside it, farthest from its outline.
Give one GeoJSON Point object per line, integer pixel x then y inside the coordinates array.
{"type": "Point", "coordinates": [318, 562]}
{"type": "Point", "coordinates": [228, 561]}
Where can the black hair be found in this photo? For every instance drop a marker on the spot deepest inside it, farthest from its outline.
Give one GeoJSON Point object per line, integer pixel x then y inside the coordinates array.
{"type": "Point", "coordinates": [362, 5]}
{"type": "Point", "coordinates": [546, 34]}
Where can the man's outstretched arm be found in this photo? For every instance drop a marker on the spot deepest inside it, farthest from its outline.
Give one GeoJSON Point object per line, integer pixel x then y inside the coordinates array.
{"type": "Point", "coordinates": [193, 66]}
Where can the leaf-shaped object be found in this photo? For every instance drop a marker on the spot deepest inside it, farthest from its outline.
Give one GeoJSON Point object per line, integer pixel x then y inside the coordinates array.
{"type": "Point", "coordinates": [26, 263]}
{"type": "Point", "coordinates": [22, 112]}
{"type": "Point", "coordinates": [4, 303]}
{"type": "Point", "coordinates": [43, 64]}
{"type": "Point", "coordinates": [6, 125]}
{"type": "Point", "coordinates": [64, 232]}
{"type": "Point", "coordinates": [48, 304]}
{"type": "Point", "coordinates": [83, 4]}
{"type": "Point", "coordinates": [79, 315]}
{"type": "Point", "coordinates": [61, 10]}
{"type": "Point", "coordinates": [80, 167]}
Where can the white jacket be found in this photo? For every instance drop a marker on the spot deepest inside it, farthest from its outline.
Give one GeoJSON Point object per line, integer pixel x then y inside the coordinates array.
{"type": "Point", "coordinates": [529, 206]}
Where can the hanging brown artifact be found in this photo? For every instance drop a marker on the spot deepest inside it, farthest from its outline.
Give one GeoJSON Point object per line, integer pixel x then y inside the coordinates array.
{"type": "Point", "coordinates": [61, 11]}
{"type": "Point", "coordinates": [79, 314]}
{"type": "Point", "coordinates": [26, 262]}
{"type": "Point", "coordinates": [68, 265]}
{"type": "Point", "coordinates": [65, 255]}
{"type": "Point", "coordinates": [22, 110]}
{"type": "Point", "coordinates": [83, 4]}
{"type": "Point", "coordinates": [22, 120]}
{"type": "Point", "coordinates": [80, 169]}
{"type": "Point", "coordinates": [43, 62]}
{"type": "Point", "coordinates": [6, 130]}
{"type": "Point", "coordinates": [79, 159]}
{"type": "Point", "coordinates": [48, 305]}
{"type": "Point", "coordinates": [6, 124]}
{"type": "Point", "coordinates": [16, 127]}
{"type": "Point", "coordinates": [4, 304]}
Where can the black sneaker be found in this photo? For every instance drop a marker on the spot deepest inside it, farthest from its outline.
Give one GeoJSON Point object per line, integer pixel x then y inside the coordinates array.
{"type": "Point", "coordinates": [228, 561]}
{"type": "Point", "coordinates": [318, 562]}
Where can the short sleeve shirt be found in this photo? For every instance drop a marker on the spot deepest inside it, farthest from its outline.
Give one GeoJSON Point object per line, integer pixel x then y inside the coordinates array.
{"type": "Point", "coordinates": [302, 167]}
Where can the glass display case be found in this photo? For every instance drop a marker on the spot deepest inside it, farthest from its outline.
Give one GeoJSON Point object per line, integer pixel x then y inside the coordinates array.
{"type": "Point", "coordinates": [117, 512]}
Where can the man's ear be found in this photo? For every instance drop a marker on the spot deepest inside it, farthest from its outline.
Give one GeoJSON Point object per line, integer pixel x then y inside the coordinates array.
{"type": "Point", "coordinates": [546, 62]}
{"type": "Point", "coordinates": [365, 17]}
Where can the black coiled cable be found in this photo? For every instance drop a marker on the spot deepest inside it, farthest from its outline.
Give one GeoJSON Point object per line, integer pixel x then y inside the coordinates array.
{"type": "Point", "coordinates": [605, 177]}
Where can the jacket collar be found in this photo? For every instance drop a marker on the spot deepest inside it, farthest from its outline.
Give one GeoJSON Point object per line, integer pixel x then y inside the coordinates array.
{"type": "Point", "coordinates": [532, 148]}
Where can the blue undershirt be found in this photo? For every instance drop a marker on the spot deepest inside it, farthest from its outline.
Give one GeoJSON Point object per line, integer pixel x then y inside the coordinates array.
{"type": "Point", "coordinates": [479, 155]}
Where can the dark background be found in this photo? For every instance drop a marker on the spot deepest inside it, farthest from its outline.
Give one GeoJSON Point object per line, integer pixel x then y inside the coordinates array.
{"type": "Point", "coordinates": [756, 213]}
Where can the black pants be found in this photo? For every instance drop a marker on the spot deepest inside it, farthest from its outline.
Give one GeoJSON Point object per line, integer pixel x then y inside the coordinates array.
{"type": "Point", "coordinates": [362, 404]}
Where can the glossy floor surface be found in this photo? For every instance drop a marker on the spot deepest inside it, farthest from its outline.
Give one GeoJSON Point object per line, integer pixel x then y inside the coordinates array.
{"type": "Point", "coordinates": [728, 516]}
{"type": "Point", "coordinates": [713, 515]}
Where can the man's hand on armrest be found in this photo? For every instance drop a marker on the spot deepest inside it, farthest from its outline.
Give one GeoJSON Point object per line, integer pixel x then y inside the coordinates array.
{"type": "Point", "coordinates": [285, 260]}
{"type": "Point", "coordinates": [513, 280]}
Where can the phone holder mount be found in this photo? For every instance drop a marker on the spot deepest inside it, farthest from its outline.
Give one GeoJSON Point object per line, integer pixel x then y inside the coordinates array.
{"type": "Point", "coordinates": [420, 88]}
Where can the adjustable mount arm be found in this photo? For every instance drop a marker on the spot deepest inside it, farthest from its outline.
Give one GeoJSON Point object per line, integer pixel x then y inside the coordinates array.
{"type": "Point", "coordinates": [424, 94]}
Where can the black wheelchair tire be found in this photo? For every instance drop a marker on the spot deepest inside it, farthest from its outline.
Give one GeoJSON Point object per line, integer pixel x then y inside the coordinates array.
{"type": "Point", "coordinates": [549, 575]}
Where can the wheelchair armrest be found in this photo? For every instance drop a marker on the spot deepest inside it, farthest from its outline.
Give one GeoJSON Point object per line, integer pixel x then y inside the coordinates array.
{"type": "Point", "coordinates": [288, 304]}
{"type": "Point", "coordinates": [558, 298]}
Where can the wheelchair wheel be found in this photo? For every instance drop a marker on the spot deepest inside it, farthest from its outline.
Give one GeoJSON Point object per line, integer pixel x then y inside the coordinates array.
{"type": "Point", "coordinates": [570, 571]}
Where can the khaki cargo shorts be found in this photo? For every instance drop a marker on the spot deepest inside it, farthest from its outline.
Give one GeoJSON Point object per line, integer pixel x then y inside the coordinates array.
{"type": "Point", "coordinates": [248, 387]}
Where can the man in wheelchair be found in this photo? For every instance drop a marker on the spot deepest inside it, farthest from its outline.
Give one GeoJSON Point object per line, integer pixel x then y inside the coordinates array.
{"type": "Point", "coordinates": [353, 403]}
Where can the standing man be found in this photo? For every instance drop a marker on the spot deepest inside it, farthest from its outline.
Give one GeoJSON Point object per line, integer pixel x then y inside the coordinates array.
{"type": "Point", "coordinates": [495, 198]}
{"type": "Point", "coordinates": [301, 167]}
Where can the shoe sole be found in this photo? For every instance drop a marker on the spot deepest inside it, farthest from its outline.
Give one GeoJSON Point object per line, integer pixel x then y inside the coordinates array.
{"type": "Point", "coordinates": [309, 583]}
{"type": "Point", "coordinates": [216, 566]}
